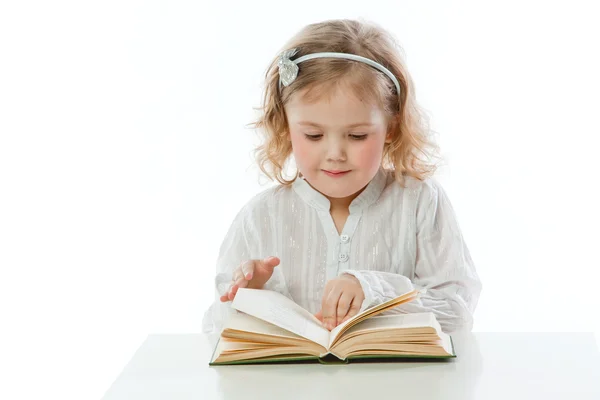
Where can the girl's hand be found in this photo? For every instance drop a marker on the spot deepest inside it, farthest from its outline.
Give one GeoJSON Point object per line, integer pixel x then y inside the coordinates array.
{"type": "Point", "coordinates": [342, 299]}
{"type": "Point", "coordinates": [251, 274]}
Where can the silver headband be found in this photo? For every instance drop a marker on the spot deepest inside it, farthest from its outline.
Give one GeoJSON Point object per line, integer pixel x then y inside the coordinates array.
{"type": "Point", "coordinates": [288, 69]}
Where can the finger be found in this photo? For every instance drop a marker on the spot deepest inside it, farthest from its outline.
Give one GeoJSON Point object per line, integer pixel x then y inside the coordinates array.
{"type": "Point", "coordinates": [224, 288]}
{"type": "Point", "coordinates": [330, 308]}
{"type": "Point", "coordinates": [241, 282]}
{"type": "Point", "coordinates": [319, 316]}
{"type": "Point", "coordinates": [231, 293]}
{"type": "Point", "coordinates": [272, 261]}
{"type": "Point", "coordinates": [248, 269]}
{"type": "Point", "coordinates": [226, 296]}
{"type": "Point", "coordinates": [326, 291]}
{"type": "Point", "coordinates": [237, 274]}
{"type": "Point", "coordinates": [354, 309]}
{"type": "Point", "coordinates": [269, 263]}
{"type": "Point", "coordinates": [323, 302]}
{"type": "Point", "coordinates": [343, 306]}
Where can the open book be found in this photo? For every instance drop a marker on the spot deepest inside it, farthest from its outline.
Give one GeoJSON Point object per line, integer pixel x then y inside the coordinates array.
{"type": "Point", "coordinates": [269, 327]}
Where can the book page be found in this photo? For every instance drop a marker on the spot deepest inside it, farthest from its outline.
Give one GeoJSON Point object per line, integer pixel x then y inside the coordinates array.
{"type": "Point", "coordinates": [277, 309]}
{"type": "Point", "coordinates": [447, 343]}
{"type": "Point", "coordinates": [339, 330]}
{"type": "Point", "coordinates": [247, 323]}
{"type": "Point", "coordinates": [396, 321]}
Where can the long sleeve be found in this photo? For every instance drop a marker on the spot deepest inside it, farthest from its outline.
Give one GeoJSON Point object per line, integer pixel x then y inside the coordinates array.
{"type": "Point", "coordinates": [443, 267]}
{"type": "Point", "coordinates": [241, 243]}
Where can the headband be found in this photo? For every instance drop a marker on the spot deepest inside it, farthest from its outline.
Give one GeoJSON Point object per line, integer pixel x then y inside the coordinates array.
{"type": "Point", "coordinates": [288, 69]}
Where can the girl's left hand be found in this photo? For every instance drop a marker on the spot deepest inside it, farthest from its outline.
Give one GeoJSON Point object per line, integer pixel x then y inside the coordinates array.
{"type": "Point", "coordinates": [342, 299]}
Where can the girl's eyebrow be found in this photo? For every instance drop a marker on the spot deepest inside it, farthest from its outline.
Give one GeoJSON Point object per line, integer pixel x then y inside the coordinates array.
{"type": "Point", "coordinates": [347, 126]}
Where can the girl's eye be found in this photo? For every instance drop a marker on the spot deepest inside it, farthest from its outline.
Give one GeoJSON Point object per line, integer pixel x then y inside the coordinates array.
{"type": "Point", "coordinates": [313, 137]}
{"type": "Point", "coordinates": [352, 136]}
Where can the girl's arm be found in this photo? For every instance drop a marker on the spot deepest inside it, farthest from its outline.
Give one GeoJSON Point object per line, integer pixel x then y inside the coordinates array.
{"type": "Point", "coordinates": [443, 268]}
{"type": "Point", "coordinates": [239, 245]}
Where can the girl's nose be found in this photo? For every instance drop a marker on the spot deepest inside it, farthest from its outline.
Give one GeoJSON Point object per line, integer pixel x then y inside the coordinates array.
{"type": "Point", "coordinates": [336, 151]}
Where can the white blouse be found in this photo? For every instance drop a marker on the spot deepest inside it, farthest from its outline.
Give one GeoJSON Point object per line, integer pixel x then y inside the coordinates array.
{"type": "Point", "coordinates": [394, 239]}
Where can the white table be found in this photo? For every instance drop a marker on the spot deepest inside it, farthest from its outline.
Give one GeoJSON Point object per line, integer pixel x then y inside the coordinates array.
{"type": "Point", "coordinates": [503, 366]}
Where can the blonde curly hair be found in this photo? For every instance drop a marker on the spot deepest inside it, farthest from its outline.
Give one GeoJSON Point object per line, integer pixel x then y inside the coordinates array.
{"type": "Point", "coordinates": [411, 151]}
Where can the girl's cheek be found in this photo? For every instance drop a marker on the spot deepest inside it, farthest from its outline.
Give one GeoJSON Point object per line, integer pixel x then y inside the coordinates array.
{"type": "Point", "coordinates": [303, 151]}
{"type": "Point", "coordinates": [368, 155]}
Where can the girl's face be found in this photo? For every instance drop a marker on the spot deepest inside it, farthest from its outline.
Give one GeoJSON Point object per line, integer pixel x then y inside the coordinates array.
{"type": "Point", "coordinates": [337, 142]}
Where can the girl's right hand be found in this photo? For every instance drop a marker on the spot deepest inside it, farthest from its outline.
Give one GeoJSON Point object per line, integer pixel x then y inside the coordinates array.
{"type": "Point", "coordinates": [251, 274]}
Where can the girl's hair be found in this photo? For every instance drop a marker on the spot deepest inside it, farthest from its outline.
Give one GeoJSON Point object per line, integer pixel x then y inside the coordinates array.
{"type": "Point", "coordinates": [411, 151]}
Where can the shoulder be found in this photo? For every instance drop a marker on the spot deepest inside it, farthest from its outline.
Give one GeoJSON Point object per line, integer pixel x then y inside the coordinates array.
{"type": "Point", "coordinates": [269, 197]}
{"type": "Point", "coordinates": [430, 189]}
{"type": "Point", "coordinates": [265, 203]}
{"type": "Point", "coordinates": [432, 206]}
{"type": "Point", "coordinates": [415, 190]}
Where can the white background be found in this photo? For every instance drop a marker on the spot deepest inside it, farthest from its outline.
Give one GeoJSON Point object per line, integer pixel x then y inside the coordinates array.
{"type": "Point", "coordinates": [124, 157]}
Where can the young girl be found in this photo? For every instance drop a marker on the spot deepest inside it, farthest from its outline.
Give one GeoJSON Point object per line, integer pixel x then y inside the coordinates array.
{"type": "Point", "coordinates": [362, 221]}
